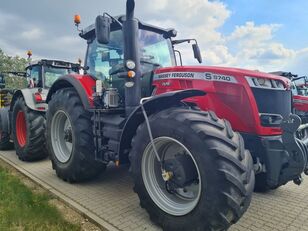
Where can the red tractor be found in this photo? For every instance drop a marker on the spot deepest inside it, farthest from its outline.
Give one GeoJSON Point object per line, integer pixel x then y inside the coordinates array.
{"type": "Point", "coordinates": [134, 105]}
{"type": "Point", "coordinates": [189, 167]}
{"type": "Point", "coordinates": [23, 119]}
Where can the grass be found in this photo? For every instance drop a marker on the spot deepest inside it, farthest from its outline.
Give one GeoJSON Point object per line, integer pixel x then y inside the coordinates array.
{"type": "Point", "coordinates": [21, 209]}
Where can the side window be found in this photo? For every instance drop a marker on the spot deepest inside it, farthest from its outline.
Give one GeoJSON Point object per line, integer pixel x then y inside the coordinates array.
{"type": "Point", "coordinates": [102, 58]}
{"type": "Point", "coordinates": [35, 80]}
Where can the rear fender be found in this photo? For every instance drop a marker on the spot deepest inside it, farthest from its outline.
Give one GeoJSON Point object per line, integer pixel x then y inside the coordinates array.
{"type": "Point", "coordinates": [28, 95]}
{"type": "Point", "coordinates": [152, 105]}
{"type": "Point", "coordinates": [84, 86]}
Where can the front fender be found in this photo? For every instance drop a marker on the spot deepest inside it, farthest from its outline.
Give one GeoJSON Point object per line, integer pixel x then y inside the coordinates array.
{"type": "Point", "coordinates": [152, 105]}
{"type": "Point", "coordinates": [83, 84]}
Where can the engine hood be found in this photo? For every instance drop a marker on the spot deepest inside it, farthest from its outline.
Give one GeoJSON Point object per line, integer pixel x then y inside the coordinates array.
{"type": "Point", "coordinates": [187, 71]}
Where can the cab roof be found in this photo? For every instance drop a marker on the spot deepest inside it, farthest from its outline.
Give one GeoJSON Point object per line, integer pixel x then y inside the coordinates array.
{"type": "Point", "coordinates": [89, 32]}
{"type": "Point", "coordinates": [53, 63]}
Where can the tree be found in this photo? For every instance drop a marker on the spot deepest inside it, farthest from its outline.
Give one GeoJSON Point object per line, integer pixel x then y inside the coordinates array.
{"type": "Point", "coordinates": [11, 63]}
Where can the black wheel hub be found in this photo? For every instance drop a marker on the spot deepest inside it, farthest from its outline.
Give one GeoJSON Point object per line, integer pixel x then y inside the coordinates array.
{"type": "Point", "coordinates": [68, 135]}
{"type": "Point", "coordinates": [183, 171]}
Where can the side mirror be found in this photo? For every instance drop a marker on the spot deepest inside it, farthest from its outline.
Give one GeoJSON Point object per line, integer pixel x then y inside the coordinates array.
{"type": "Point", "coordinates": [197, 53]}
{"type": "Point", "coordinates": [102, 29]}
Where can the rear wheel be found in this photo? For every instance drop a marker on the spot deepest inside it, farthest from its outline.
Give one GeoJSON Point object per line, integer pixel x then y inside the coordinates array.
{"type": "Point", "coordinates": [208, 179]}
{"type": "Point", "coordinates": [69, 138]}
{"type": "Point", "coordinates": [28, 132]}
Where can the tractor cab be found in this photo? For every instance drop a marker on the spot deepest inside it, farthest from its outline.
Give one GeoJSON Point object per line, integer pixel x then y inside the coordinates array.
{"type": "Point", "coordinates": [156, 50]}
{"type": "Point", "coordinates": [43, 73]}
{"type": "Point", "coordinates": [105, 61]}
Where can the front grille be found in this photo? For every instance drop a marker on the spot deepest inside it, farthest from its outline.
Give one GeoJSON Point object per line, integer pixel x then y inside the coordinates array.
{"type": "Point", "coordinates": [273, 101]}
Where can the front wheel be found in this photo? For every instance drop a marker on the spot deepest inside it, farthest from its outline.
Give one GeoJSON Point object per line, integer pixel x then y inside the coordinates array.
{"type": "Point", "coordinates": [205, 178]}
{"type": "Point", "coordinates": [70, 139]}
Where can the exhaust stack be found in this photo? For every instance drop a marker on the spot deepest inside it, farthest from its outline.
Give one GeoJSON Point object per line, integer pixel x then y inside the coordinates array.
{"type": "Point", "coordinates": [131, 53]}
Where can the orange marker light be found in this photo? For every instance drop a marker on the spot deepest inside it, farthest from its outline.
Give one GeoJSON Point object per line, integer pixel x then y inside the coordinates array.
{"type": "Point", "coordinates": [131, 74]}
{"type": "Point", "coordinates": [29, 53]}
{"type": "Point", "coordinates": [77, 19]}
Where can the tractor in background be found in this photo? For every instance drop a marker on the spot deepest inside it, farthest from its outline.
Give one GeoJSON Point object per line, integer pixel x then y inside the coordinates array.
{"type": "Point", "coordinates": [190, 169]}
{"type": "Point", "coordinates": [22, 117]}
{"type": "Point", "coordinates": [299, 94]}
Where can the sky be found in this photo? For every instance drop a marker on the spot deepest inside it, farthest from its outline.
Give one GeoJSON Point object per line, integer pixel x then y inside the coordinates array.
{"type": "Point", "coordinates": [264, 35]}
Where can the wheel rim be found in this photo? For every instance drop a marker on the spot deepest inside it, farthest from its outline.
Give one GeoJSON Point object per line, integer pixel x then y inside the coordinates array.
{"type": "Point", "coordinates": [21, 129]}
{"type": "Point", "coordinates": [61, 136]}
{"type": "Point", "coordinates": [184, 200]}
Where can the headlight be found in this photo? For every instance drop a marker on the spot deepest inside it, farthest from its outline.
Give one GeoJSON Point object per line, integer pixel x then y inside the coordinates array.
{"type": "Point", "coordinates": [264, 83]}
{"type": "Point", "coordinates": [130, 64]}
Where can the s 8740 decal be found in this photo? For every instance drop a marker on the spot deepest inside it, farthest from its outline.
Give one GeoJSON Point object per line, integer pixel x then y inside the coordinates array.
{"type": "Point", "coordinates": [208, 76]}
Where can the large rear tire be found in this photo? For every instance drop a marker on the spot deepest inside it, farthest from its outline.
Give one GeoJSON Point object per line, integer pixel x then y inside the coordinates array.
{"type": "Point", "coordinates": [28, 134]}
{"type": "Point", "coordinates": [221, 181]}
{"type": "Point", "coordinates": [70, 138]}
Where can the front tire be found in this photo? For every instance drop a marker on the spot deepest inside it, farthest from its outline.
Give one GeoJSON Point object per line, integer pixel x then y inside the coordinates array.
{"type": "Point", "coordinates": [221, 181]}
{"type": "Point", "coordinates": [28, 132]}
{"type": "Point", "coordinates": [70, 138]}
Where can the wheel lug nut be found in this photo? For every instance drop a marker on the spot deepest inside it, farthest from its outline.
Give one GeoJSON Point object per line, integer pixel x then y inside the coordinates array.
{"type": "Point", "coordinates": [166, 175]}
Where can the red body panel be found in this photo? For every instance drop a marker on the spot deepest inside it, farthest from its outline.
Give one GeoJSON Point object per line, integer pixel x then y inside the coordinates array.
{"type": "Point", "coordinates": [300, 103]}
{"type": "Point", "coordinates": [233, 101]}
{"type": "Point", "coordinates": [88, 84]}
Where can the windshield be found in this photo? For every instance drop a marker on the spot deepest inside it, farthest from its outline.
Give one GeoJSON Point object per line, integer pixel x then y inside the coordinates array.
{"type": "Point", "coordinates": [52, 74]}
{"type": "Point", "coordinates": [155, 51]}
{"type": "Point", "coordinates": [101, 58]}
